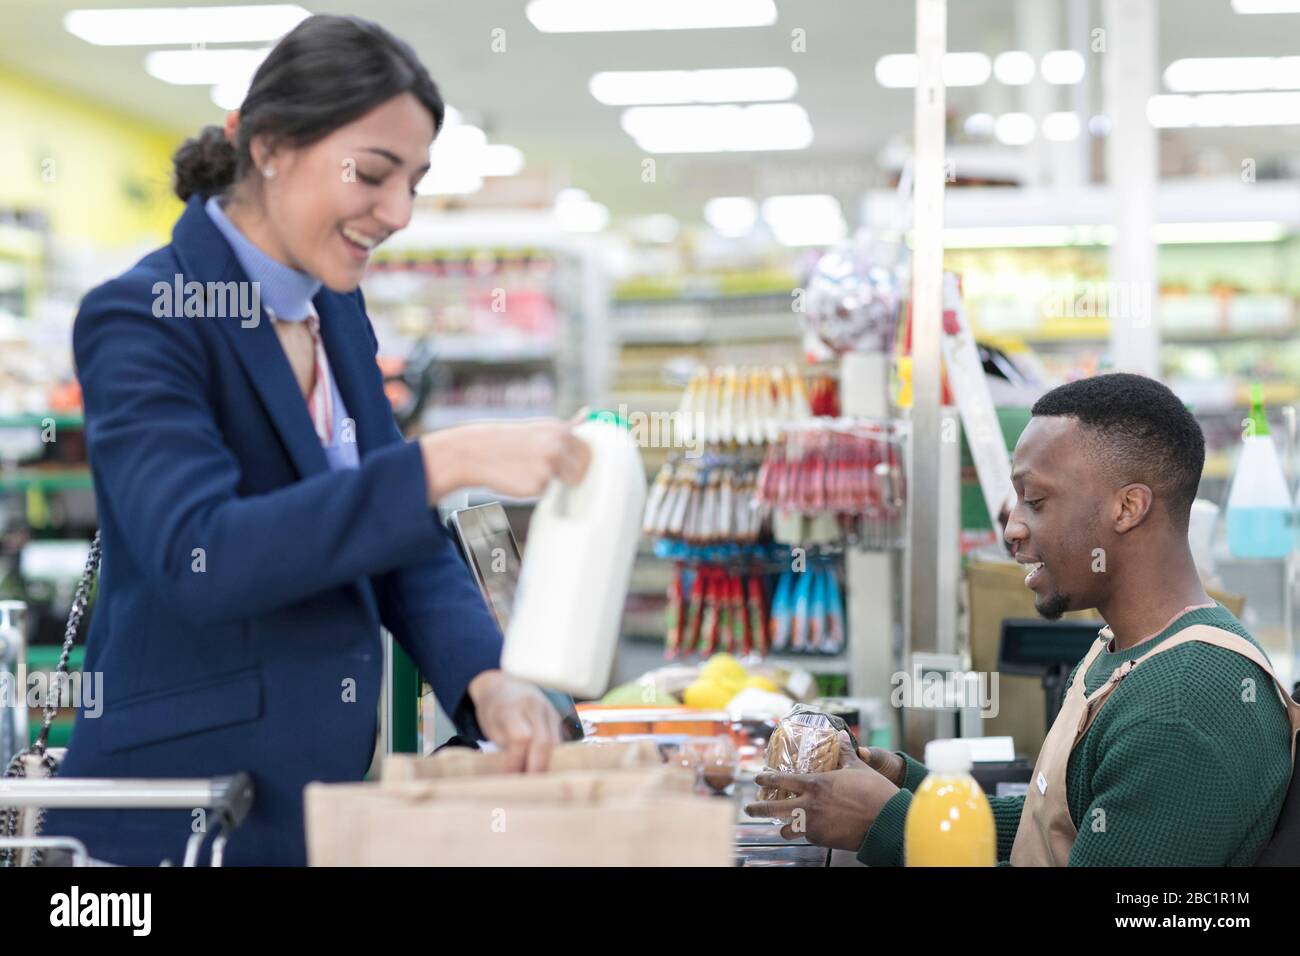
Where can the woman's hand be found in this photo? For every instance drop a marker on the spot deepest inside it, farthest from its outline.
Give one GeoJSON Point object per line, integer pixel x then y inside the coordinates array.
{"type": "Point", "coordinates": [513, 459]}
{"type": "Point", "coordinates": [517, 717]}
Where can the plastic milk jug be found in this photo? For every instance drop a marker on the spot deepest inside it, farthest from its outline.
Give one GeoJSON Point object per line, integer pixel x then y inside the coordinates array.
{"type": "Point", "coordinates": [578, 556]}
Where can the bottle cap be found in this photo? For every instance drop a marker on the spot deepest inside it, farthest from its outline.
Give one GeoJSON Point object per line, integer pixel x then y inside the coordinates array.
{"type": "Point", "coordinates": [1259, 421]}
{"type": "Point", "coordinates": [609, 417]}
{"type": "Point", "coordinates": [948, 756]}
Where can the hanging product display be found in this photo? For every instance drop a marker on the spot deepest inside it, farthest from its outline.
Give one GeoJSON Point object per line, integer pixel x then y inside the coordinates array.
{"type": "Point", "coordinates": [716, 608]}
{"type": "Point", "coordinates": [851, 469]}
{"type": "Point", "coordinates": [734, 588]}
{"type": "Point", "coordinates": [807, 615]}
{"type": "Point", "coordinates": [732, 405]}
{"type": "Point", "coordinates": [704, 501]}
{"type": "Point", "coordinates": [824, 396]}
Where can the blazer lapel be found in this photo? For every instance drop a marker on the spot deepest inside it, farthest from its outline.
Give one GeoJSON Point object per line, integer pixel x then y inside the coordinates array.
{"type": "Point", "coordinates": [205, 256]}
{"type": "Point", "coordinates": [348, 348]}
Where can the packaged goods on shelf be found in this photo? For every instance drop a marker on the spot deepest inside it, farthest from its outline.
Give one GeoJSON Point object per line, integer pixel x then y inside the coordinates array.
{"type": "Point", "coordinates": [744, 406]}
{"type": "Point", "coordinates": [849, 468]}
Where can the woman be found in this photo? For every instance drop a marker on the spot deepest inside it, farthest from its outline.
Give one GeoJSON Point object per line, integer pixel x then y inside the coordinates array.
{"type": "Point", "coordinates": [261, 514]}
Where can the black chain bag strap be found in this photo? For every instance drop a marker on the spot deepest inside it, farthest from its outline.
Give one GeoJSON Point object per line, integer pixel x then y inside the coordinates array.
{"type": "Point", "coordinates": [36, 757]}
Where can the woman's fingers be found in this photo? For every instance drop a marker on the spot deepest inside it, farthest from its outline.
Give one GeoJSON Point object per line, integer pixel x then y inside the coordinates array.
{"type": "Point", "coordinates": [575, 457]}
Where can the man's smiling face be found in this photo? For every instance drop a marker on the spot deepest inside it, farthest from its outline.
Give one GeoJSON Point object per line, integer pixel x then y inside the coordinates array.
{"type": "Point", "coordinates": [1062, 496]}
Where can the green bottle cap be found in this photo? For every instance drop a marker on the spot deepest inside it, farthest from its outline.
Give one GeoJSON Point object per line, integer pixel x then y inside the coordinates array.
{"type": "Point", "coordinates": [605, 415]}
{"type": "Point", "coordinates": [1258, 420]}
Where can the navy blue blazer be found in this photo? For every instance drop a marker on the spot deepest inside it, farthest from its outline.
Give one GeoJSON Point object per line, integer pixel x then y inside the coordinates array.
{"type": "Point", "coordinates": [243, 583]}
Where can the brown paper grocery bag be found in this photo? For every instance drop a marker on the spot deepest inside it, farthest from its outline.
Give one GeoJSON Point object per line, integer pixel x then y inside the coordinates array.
{"type": "Point", "coordinates": [645, 817]}
{"type": "Point", "coordinates": [463, 762]}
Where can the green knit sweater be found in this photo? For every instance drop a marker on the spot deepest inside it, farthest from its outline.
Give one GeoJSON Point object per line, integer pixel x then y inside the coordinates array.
{"type": "Point", "coordinates": [1186, 764]}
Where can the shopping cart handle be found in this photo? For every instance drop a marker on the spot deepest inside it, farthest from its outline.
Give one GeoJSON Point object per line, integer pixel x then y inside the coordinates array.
{"type": "Point", "coordinates": [229, 797]}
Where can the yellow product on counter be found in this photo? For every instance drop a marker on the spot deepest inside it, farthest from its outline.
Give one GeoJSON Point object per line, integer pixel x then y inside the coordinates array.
{"type": "Point", "coordinates": [762, 683]}
{"type": "Point", "coordinates": [725, 668]}
{"type": "Point", "coordinates": [949, 822]}
{"type": "Point", "coordinates": [708, 695]}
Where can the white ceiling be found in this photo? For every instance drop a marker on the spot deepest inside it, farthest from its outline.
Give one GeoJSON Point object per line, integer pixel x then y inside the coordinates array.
{"type": "Point", "coordinates": [534, 95]}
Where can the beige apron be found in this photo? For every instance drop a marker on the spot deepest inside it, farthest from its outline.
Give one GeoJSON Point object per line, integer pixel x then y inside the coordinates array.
{"type": "Point", "coordinates": [1046, 832]}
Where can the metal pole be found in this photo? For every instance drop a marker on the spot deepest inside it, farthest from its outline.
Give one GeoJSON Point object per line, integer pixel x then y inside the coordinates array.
{"type": "Point", "coordinates": [1131, 177]}
{"type": "Point", "coordinates": [927, 317]}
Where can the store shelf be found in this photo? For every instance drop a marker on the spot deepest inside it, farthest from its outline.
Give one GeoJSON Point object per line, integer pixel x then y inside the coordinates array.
{"type": "Point", "coordinates": [821, 664]}
{"type": "Point", "coordinates": [652, 330]}
{"type": "Point", "coordinates": [447, 416]}
{"type": "Point", "coordinates": [46, 479]}
{"type": "Point", "coordinates": [41, 419]}
{"type": "Point", "coordinates": [471, 348]}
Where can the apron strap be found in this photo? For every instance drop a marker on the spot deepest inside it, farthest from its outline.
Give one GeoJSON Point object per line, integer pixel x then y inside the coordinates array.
{"type": "Point", "coordinates": [1205, 634]}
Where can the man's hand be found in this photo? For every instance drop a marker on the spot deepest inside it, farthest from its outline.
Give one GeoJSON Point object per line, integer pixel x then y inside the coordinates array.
{"type": "Point", "coordinates": [885, 762]}
{"type": "Point", "coordinates": [834, 809]}
{"type": "Point", "coordinates": [517, 717]}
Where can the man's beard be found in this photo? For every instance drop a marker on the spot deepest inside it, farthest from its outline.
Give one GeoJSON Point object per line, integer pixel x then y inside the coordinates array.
{"type": "Point", "coordinates": [1053, 606]}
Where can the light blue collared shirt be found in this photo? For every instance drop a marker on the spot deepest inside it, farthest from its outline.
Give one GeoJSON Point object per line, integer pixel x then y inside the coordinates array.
{"type": "Point", "coordinates": [287, 295]}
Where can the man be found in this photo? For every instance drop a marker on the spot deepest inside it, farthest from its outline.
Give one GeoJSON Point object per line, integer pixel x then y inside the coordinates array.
{"type": "Point", "coordinates": [1184, 757]}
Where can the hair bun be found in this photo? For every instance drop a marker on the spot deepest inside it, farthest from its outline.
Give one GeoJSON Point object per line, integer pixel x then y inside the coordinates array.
{"type": "Point", "coordinates": [204, 164]}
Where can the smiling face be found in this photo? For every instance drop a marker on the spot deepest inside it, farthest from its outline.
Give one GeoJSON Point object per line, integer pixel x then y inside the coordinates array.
{"type": "Point", "coordinates": [1059, 519]}
{"type": "Point", "coordinates": [329, 204]}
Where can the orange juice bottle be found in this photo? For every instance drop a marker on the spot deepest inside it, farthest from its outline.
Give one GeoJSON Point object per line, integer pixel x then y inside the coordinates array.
{"type": "Point", "coordinates": [949, 822]}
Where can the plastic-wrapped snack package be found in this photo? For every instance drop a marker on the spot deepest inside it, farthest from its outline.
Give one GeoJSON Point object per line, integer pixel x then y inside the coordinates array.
{"type": "Point", "coordinates": [805, 741]}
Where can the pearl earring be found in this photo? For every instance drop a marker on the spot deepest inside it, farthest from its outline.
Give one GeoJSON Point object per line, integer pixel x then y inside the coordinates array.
{"type": "Point", "coordinates": [269, 172]}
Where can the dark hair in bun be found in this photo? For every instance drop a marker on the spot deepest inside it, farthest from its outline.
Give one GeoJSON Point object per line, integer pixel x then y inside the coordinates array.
{"type": "Point", "coordinates": [322, 75]}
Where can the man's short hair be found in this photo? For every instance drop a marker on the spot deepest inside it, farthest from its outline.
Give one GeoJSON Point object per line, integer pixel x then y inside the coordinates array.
{"type": "Point", "coordinates": [1141, 429]}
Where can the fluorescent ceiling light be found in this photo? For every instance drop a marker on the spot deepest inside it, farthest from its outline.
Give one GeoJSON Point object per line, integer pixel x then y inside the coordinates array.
{"type": "Point", "coordinates": [1014, 68]}
{"type": "Point", "coordinates": [1214, 110]}
{"type": "Point", "coordinates": [979, 125]}
{"type": "Point", "coordinates": [158, 26]}
{"type": "Point", "coordinates": [900, 70]}
{"type": "Point", "coordinates": [499, 159]}
{"type": "Point", "coordinates": [1014, 129]}
{"type": "Point", "coordinates": [1266, 6]}
{"type": "Point", "coordinates": [449, 181]}
{"type": "Point", "coordinates": [1063, 67]}
{"type": "Point", "coordinates": [1229, 73]}
{"type": "Point", "coordinates": [599, 16]}
{"type": "Point", "coordinates": [731, 215]}
{"type": "Point", "coordinates": [1061, 127]}
{"type": "Point", "coordinates": [576, 212]}
{"type": "Point", "coordinates": [185, 67]}
{"type": "Point", "coordinates": [718, 129]}
{"type": "Point", "coordinates": [633, 87]}
{"type": "Point", "coordinates": [230, 94]}
{"type": "Point", "coordinates": [810, 220]}
{"type": "Point", "coordinates": [461, 157]}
